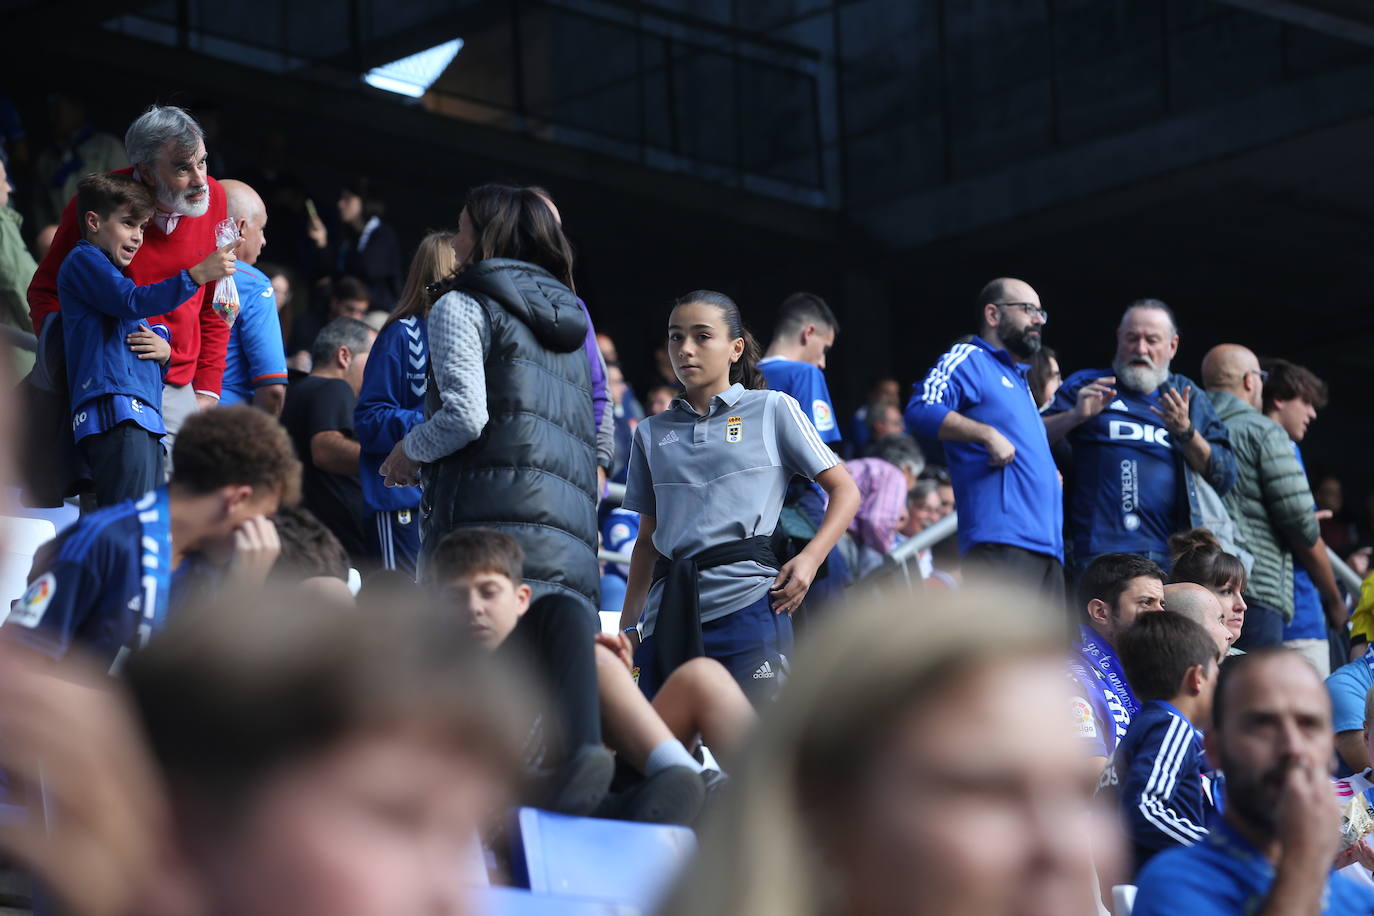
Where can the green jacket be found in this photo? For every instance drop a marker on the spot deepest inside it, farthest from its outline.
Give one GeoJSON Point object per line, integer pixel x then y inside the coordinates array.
{"type": "Point", "coordinates": [16, 270]}
{"type": "Point", "coordinates": [1271, 502]}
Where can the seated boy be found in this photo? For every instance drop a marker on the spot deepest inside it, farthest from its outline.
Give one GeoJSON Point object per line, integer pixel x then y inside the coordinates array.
{"type": "Point", "coordinates": [1159, 774]}
{"type": "Point", "coordinates": [105, 582]}
{"type": "Point", "coordinates": [114, 360]}
{"type": "Point", "coordinates": [478, 573]}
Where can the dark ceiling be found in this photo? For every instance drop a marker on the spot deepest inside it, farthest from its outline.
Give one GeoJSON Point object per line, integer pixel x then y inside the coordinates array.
{"type": "Point", "coordinates": [890, 154]}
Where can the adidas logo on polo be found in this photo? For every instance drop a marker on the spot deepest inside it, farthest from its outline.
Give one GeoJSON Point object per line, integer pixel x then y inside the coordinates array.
{"type": "Point", "coordinates": [764, 671]}
{"type": "Point", "coordinates": [670, 438]}
{"type": "Point", "coordinates": [1118, 404]}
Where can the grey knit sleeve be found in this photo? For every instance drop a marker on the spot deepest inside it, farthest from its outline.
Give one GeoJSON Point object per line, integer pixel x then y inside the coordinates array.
{"type": "Point", "coordinates": [457, 352]}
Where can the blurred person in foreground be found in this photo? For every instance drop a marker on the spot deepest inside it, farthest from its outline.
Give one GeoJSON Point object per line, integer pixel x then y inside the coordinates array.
{"type": "Point", "coordinates": [894, 777]}
{"type": "Point", "coordinates": [306, 759]}
{"type": "Point", "coordinates": [1273, 849]}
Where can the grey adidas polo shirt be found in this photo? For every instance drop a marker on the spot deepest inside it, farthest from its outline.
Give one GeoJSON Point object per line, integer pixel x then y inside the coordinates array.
{"type": "Point", "coordinates": [707, 480]}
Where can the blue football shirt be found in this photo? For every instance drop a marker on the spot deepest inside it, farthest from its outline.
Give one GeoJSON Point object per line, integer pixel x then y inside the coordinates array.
{"type": "Point", "coordinates": [256, 355]}
{"type": "Point", "coordinates": [806, 384]}
{"type": "Point", "coordinates": [1225, 875]}
{"type": "Point", "coordinates": [1123, 488]}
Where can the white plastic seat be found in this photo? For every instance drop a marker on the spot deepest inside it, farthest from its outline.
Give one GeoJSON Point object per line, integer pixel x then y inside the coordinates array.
{"type": "Point", "coordinates": [20, 539]}
{"type": "Point", "coordinates": [1123, 899]}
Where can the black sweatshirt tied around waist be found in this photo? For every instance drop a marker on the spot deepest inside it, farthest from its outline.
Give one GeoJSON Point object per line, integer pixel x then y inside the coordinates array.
{"type": "Point", "coordinates": [677, 630]}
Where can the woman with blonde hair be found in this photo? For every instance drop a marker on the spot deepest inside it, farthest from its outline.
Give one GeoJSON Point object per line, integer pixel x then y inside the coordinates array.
{"type": "Point", "coordinates": [921, 760]}
{"type": "Point", "coordinates": [392, 400]}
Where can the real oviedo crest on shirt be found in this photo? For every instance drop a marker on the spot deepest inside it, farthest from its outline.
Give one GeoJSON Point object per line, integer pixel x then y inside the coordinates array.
{"type": "Point", "coordinates": [734, 426]}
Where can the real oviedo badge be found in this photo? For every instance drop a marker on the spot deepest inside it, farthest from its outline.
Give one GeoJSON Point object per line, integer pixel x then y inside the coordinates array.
{"type": "Point", "coordinates": [733, 427]}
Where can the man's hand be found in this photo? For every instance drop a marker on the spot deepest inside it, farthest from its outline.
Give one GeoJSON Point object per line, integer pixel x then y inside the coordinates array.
{"type": "Point", "coordinates": [1094, 397]}
{"type": "Point", "coordinates": [1337, 614]}
{"type": "Point", "coordinates": [620, 646]}
{"type": "Point", "coordinates": [1173, 410]}
{"type": "Point", "coordinates": [256, 548]}
{"type": "Point", "coordinates": [149, 344]}
{"type": "Point", "coordinates": [1360, 852]}
{"type": "Point", "coordinates": [1000, 450]}
{"type": "Point", "coordinates": [317, 232]}
{"type": "Point", "coordinates": [1309, 822]}
{"type": "Point", "coordinates": [206, 401]}
{"type": "Point", "coordinates": [217, 265]}
{"type": "Point", "coordinates": [793, 582]}
{"type": "Point", "coordinates": [398, 468]}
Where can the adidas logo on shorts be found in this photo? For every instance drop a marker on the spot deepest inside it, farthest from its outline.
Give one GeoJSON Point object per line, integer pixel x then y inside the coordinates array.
{"type": "Point", "coordinates": [763, 672]}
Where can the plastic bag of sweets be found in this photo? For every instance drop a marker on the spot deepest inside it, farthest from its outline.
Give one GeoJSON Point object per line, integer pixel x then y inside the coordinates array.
{"type": "Point", "coordinates": [226, 298]}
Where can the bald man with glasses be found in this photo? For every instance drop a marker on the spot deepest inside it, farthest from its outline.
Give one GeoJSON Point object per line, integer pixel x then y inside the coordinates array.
{"type": "Point", "coordinates": [976, 400]}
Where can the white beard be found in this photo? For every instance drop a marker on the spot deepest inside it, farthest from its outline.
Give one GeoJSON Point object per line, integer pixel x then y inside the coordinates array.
{"type": "Point", "coordinates": [180, 204]}
{"type": "Point", "coordinates": [1142, 379]}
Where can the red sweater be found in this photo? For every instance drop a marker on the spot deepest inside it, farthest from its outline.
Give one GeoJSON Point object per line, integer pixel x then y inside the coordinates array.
{"type": "Point", "coordinates": [199, 336]}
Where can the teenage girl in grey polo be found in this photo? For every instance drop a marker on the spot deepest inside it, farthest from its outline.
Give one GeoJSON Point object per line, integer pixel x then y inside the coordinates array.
{"type": "Point", "coordinates": [707, 479]}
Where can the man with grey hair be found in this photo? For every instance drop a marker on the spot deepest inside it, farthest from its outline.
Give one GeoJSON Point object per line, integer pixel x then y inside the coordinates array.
{"type": "Point", "coordinates": [319, 416]}
{"type": "Point", "coordinates": [167, 149]}
{"type": "Point", "coordinates": [1144, 442]}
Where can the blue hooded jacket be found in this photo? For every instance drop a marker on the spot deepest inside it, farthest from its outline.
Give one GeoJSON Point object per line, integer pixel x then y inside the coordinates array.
{"type": "Point", "coordinates": [391, 402]}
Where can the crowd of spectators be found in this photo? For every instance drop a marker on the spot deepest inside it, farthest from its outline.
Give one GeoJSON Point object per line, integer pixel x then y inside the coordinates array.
{"type": "Point", "coordinates": [368, 555]}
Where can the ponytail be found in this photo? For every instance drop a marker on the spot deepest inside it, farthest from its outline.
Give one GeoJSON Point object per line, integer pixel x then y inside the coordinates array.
{"type": "Point", "coordinates": [745, 370]}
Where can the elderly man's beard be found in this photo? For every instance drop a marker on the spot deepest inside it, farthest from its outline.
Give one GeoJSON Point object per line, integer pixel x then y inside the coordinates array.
{"type": "Point", "coordinates": [181, 203]}
{"type": "Point", "coordinates": [1023, 343]}
{"type": "Point", "coordinates": [1139, 373]}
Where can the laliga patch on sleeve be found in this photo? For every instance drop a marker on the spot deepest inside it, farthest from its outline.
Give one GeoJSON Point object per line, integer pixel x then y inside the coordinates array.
{"type": "Point", "coordinates": [822, 415]}
{"type": "Point", "coordinates": [1083, 718]}
{"type": "Point", "coordinates": [28, 611]}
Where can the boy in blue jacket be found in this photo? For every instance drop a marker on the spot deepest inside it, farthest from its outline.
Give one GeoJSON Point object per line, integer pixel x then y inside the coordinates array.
{"type": "Point", "coordinates": [114, 360]}
{"type": "Point", "coordinates": [1159, 773]}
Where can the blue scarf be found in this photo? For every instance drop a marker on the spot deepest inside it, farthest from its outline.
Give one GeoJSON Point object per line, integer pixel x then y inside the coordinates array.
{"type": "Point", "coordinates": [1102, 657]}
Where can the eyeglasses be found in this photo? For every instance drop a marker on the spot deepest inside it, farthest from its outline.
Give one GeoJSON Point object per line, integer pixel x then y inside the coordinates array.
{"type": "Point", "coordinates": [1263, 374]}
{"type": "Point", "coordinates": [1030, 308]}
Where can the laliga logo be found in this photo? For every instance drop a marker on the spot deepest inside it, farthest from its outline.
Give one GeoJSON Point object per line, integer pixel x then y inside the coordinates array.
{"type": "Point", "coordinates": [1126, 431]}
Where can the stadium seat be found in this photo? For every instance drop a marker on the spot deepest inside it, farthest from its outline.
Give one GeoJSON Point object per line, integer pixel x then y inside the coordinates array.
{"type": "Point", "coordinates": [20, 539]}
{"type": "Point", "coordinates": [595, 859]}
{"type": "Point", "coordinates": [610, 622]}
{"type": "Point", "coordinates": [514, 901]}
{"type": "Point", "coordinates": [62, 517]}
{"type": "Point", "coordinates": [355, 580]}
{"type": "Point", "coordinates": [1123, 899]}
